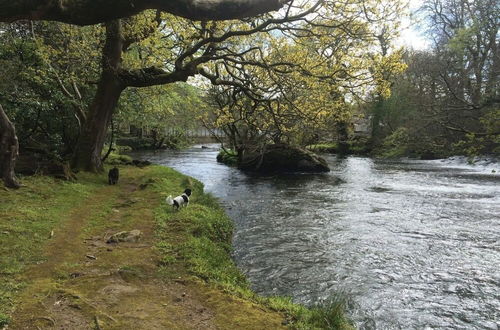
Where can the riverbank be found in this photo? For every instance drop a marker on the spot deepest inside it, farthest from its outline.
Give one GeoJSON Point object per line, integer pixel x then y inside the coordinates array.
{"type": "Point", "coordinates": [58, 270]}
{"type": "Point", "coordinates": [347, 231]}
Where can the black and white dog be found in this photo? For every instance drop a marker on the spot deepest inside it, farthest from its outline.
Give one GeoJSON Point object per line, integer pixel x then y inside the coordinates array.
{"type": "Point", "coordinates": [179, 200]}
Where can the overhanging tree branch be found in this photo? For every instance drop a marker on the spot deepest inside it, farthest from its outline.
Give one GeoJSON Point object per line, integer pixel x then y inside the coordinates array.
{"type": "Point", "coordinates": [87, 12]}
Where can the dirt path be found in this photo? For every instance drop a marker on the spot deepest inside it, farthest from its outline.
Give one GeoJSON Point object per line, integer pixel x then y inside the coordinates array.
{"type": "Point", "coordinates": [86, 283]}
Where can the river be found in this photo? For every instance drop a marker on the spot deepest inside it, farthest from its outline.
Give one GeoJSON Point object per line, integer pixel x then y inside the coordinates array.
{"type": "Point", "coordinates": [410, 244]}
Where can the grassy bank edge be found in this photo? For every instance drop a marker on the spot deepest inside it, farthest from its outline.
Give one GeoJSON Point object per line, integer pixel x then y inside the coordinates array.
{"type": "Point", "coordinates": [194, 242]}
{"type": "Point", "coordinates": [206, 251]}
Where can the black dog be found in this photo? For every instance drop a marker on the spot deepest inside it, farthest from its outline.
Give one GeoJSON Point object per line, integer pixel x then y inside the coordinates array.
{"type": "Point", "coordinates": [113, 175]}
{"type": "Point", "coordinates": [179, 200]}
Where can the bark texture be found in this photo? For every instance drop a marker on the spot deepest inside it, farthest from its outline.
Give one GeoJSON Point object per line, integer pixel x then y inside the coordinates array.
{"type": "Point", "coordinates": [86, 12]}
{"type": "Point", "coordinates": [9, 151]}
{"type": "Point", "coordinates": [88, 152]}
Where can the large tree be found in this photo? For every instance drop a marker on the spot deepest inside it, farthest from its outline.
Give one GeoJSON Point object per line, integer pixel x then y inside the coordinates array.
{"type": "Point", "coordinates": [307, 81]}
{"type": "Point", "coordinates": [448, 101]}
{"type": "Point", "coordinates": [149, 50]}
{"type": "Point", "coordinates": [86, 12]}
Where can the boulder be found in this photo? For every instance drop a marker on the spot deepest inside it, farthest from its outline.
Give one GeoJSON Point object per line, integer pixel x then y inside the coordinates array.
{"type": "Point", "coordinates": [278, 158]}
{"type": "Point", "coordinates": [125, 236]}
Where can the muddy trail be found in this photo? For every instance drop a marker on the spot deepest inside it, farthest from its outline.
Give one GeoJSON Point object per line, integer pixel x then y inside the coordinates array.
{"type": "Point", "coordinates": [86, 283]}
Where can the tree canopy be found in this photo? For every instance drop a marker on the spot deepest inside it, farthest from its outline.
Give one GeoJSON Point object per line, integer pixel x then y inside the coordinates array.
{"type": "Point", "coordinates": [297, 75]}
{"type": "Point", "coordinates": [448, 100]}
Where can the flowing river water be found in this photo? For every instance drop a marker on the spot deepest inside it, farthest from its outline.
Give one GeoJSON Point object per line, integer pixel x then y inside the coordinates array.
{"type": "Point", "coordinates": [410, 244]}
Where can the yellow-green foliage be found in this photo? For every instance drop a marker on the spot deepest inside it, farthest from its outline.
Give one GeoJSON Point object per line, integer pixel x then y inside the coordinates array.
{"type": "Point", "coordinates": [396, 144]}
{"type": "Point", "coordinates": [324, 147]}
{"type": "Point", "coordinates": [228, 157]}
{"type": "Point", "coordinates": [476, 144]}
{"type": "Point", "coordinates": [320, 71]}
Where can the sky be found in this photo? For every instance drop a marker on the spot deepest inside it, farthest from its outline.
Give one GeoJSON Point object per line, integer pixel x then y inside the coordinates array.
{"type": "Point", "coordinates": [411, 35]}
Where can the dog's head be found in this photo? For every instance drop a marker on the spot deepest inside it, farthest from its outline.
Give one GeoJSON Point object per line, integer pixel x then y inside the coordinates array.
{"type": "Point", "coordinates": [187, 192]}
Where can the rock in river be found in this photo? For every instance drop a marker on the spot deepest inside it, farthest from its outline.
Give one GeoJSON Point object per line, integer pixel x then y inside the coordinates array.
{"type": "Point", "coordinates": [284, 158]}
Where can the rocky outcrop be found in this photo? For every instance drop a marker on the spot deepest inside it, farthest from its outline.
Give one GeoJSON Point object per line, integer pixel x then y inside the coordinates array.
{"type": "Point", "coordinates": [283, 158]}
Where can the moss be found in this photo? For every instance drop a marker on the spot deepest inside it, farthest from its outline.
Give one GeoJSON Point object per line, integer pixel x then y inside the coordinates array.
{"type": "Point", "coordinates": [228, 157]}
{"type": "Point", "coordinates": [118, 159]}
{"type": "Point", "coordinates": [330, 147]}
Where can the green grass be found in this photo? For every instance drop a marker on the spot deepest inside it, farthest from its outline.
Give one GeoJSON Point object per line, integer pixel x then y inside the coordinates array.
{"type": "Point", "coordinates": [27, 218]}
{"type": "Point", "coordinates": [202, 241]}
{"type": "Point", "coordinates": [4, 319]}
{"type": "Point", "coordinates": [357, 146]}
{"type": "Point", "coordinates": [194, 242]}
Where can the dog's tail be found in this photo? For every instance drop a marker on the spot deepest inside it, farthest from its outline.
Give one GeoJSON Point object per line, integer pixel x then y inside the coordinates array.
{"type": "Point", "coordinates": [169, 200]}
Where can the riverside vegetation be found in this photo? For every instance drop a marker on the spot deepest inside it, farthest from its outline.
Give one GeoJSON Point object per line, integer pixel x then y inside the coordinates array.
{"type": "Point", "coordinates": [58, 270]}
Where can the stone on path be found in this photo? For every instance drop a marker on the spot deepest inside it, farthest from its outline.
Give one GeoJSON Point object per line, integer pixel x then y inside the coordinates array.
{"type": "Point", "coordinates": [125, 236]}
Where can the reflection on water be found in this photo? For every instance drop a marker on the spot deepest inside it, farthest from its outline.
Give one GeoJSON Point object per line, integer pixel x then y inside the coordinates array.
{"type": "Point", "coordinates": [413, 244]}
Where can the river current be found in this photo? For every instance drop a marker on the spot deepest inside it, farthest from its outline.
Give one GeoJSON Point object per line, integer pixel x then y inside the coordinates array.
{"type": "Point", "coordinates": [410, 244]}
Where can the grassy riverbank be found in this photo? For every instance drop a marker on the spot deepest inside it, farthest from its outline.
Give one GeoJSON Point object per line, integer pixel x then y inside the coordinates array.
{"type": "Point", "coordinates": [56, 269]}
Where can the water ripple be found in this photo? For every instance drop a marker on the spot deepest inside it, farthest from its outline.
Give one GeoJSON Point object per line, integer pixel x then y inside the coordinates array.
{"type": "Point", "coordinates": [410, 244]}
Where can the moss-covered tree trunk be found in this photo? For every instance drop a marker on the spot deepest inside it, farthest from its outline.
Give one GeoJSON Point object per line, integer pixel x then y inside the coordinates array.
{"type": "Point", "coordinates": [87, 156]}
{"type": "Point", "coordinates": [9, 150]}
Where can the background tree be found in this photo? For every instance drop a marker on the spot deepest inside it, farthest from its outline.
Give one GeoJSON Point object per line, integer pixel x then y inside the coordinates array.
{"type": "Point", "coordinates": [49, 82]}
{"type": "Point", "coordinates": [308, 79]}
{"type": "Point", "coordinates": [448, 100]}
{"type": "Point", "coordinates": [168, 112]}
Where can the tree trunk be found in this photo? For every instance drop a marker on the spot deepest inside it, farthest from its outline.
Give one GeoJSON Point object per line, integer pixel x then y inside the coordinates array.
{"type": "Point", "coordinates": [343, 137]}
{"type": "Point", "coordinates": [9, 150]}
{"type": "Point", "coordinates": [89, 148]}
{"type": "Point", "coordinates": [87, 156]}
